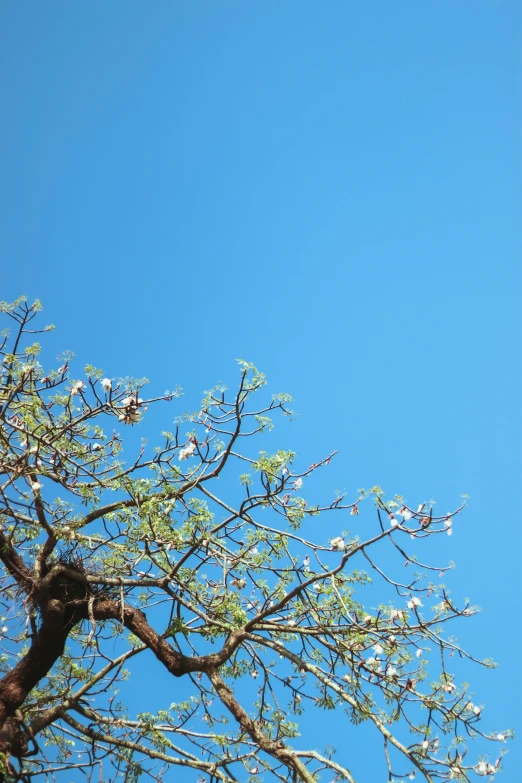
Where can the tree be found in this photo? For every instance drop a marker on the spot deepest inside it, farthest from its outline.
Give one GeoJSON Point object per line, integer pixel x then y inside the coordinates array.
{"type": "Point", "coordinates": [104, 560]}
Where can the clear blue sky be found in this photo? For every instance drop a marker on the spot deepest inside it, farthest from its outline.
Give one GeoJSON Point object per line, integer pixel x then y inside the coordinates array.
{"type": "Point", "coordinates": [329, 189]}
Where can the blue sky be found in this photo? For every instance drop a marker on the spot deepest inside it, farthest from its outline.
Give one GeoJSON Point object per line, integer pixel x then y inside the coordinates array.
{"type": "Point", "coordinates": [331, 190]}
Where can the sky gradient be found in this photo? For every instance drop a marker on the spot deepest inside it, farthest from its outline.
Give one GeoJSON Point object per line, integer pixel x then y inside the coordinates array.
{"type": "Point", "coordinates": [331, 190]}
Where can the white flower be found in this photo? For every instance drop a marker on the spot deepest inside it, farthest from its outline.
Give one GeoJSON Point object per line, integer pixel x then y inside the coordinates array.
{"type": "Point", "coordinates": [501, 737]}
{"type": "Point", "coordinates": [482, 769]}
{"type": "Point", "coordinates": [412, 776]}
{"type": "Point", "coordinates": [378, 650]}
{"type": "Point", "coordinates": [76, 387]}
{"type": "Point", "coordinates": [477, 710]}
{"type": "Point", "coordinates": [347, 678]}
{"type": "Point", "coordinates": [254, 673]}
{"type": "Point", "coordinates": [391, 671]}
{"type": "Point", "coordinates": [122, 417]}
{"type": "Point", "coordinates": [491, 769]}
{"type": "Point", "coordinates": [418, 653]}
{"type": "Point", "coordinates": [367, 620]}
{"type": "Point", "coordinates": [306, 562]}
{"type": "Point", "coordinates": [450, 687]}
{"type": "Point", "coordinates": [36, 486]}
{"type": "Point", "coordinates": [414, 602]}
{"type": "Point", "coordinates": [337, 543]}
{"type": "Point", "coordinates": [425, 745]}
{"type": "Point", "coordinates": [392, 639]}
{"type": "Point", "coordinates": [4, 629]}
{"type": "Point", "coordinates": [354, 510]}
{"type": "Point", "coordinates": [393, 522]}
{"type": "Point", "coordinates": [107, 384]}
{"type": "Point", "coordinates": [396, 614]}
{"type": "Point", "coordinates": [298, 483]}
{"type": "Point", "coordinates": [421, 506]}
{"type": "Point", "coordinates": [291, 622]}
{"type": "Point", "coordinates": [187, 452]}
{"type": "Point", "coordinates": [371, 661]}
{"type": "Point", "coordinates": [318, 586]}
{"type": "Point", "coordinates": [405, 514]}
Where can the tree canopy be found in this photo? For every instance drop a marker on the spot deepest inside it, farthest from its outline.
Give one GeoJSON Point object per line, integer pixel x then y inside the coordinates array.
{"type": "Point", "coordinates": [203, 553]}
